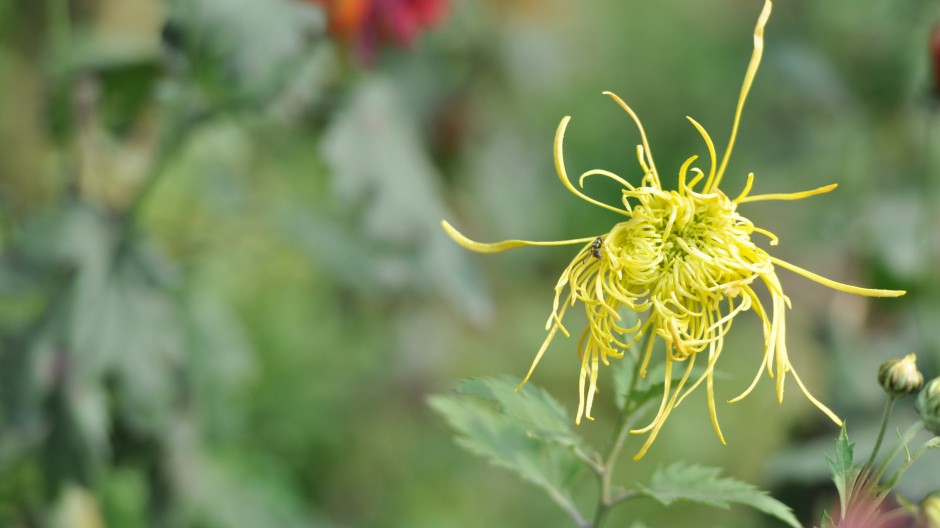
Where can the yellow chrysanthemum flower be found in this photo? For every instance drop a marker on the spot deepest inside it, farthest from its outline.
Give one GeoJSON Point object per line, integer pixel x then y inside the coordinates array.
{"type": "Point", "coordinates": [684, 262]}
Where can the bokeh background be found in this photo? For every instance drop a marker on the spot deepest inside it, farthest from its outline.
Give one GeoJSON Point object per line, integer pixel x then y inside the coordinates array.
{"type": "Point", "coordinates": [225, 296]}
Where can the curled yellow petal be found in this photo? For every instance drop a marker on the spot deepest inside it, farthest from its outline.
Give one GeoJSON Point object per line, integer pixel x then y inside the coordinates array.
{"type": "Point", "coordinates": [497, 247]}
{"type": "Point", "coordinates": [563, 174]}
{"type": "Point", "coordinates": [646, 144]}
{"type": "Point", "coordinates": [747, 188]}
{"type": "Point", "coordinates": [711, 151]}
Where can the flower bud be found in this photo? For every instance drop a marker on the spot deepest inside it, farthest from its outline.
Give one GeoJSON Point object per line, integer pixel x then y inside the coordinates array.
{"type": "Point", "coordinates": [930, 510]}
{"type": "Point", "coordinates": [928, 405]}
{"type": "Point", "coordinates": [900, 377]}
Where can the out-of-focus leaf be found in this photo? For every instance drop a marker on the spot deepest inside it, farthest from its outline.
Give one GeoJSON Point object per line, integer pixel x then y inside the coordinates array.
{"type": "Point", "coordinates": [231, 492]}
{"type": "Point", "coordinates": [220, 359]}
{"type": "Point", "coordinates": [113, 319]}
{"type": "Point", "coordinates": [130, 329]}
{"type": "Point", "coordinates": [124, 497]}
{"type": "Point", "coordinates": [383, 172]}
{"type": "Point", "coordinates": [681, 481]}
{"type": "Point", "coordinates": [843, 470]}
{"type": "Point", "coordinates": [501, 437]}
{"type": "Point", "coordinates": [252, 47]}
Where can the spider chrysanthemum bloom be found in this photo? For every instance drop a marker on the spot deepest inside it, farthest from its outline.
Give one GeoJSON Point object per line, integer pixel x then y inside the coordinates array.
{"type": "Point", "coordinates": [684, 262]}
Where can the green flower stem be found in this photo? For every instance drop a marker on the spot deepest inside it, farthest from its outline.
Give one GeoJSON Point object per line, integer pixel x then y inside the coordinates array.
{"type": "Point", "coordinates": [880, 492]}
{"type": "Point", "coordinates": [933, 443]}
{"type": "Point", "coordinates": [889, 406]}
{"type": "Point", "coordinates": [603, 502]}
{"type": "Point", "coordinates": [623, 495]}
{"type": "Point", "coordinates": [595, 465]}
{"type": "Point", "coordinates": [902, 444]}
{"type": "Point", "coordinates": [607, 498]}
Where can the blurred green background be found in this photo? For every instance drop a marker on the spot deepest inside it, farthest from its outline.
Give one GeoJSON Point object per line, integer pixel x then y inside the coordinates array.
{"type": "Point", "coordinates": [226, 295]}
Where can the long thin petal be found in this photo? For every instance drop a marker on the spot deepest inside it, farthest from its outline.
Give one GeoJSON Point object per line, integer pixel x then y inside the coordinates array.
{"type": "Point", "coordinates": [847, 288]}
{"type": "Point", "coordinates": [788, 196]}
{"type": "Point", "coordinates": [497, 247]}
{"type": "Point", "coordinates": [745, 88]}
{"type": "Point", "coordinates": [826, 410]}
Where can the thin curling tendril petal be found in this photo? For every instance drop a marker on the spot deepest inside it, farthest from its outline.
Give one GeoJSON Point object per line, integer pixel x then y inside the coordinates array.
{"type": "Point", "coordinates": [745, 88]}
{"type": "Point", "coordinates": [497, 247]}
{"type": "Point", "coordinates": [563, 174]}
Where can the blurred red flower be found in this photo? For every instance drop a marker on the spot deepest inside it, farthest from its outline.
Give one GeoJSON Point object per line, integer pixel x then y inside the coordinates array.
{"type": "Point", "coordinates": [935, 58]}
{"type": "Point", "coordinates": [365, 24]}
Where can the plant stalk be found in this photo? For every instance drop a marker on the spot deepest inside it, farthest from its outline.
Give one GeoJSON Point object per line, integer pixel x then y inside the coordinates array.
{"type": "Point", "coordinates": [885, 416]}
{"type": "Point", "coordinates": [607, 499]}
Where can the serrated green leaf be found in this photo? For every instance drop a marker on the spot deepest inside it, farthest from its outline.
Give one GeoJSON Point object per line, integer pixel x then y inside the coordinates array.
{"type": "Point", "coordinates": [542, 414]}
{"type": "Point", "coordinates": [843, 471]}
{"type": "Point", "coordinates": [680, 481]}
{"type": "Point", "coordinates": [526, 432]}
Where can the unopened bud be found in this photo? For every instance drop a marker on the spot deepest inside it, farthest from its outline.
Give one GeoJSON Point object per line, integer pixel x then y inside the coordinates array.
{"type": "Point", "coordinates": [930, 510]}
{"type": "Point", "coordinates": [900, 377]}
{"type": "Point", "coordinates": [928, 406]}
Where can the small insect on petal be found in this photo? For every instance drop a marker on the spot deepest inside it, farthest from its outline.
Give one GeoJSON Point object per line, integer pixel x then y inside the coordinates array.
{"type": "Point", "coordinates": [596, 247]}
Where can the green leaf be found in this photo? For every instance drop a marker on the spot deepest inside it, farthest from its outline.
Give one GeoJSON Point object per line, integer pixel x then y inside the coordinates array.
{"type": "Point", "coordinates": [231, 489]}
{"type": "Point", "coordinates": [695, 483]}
{"type": "Point", "coordinates": [234, 50]}
{"type": "Point", "coordinates": [526, 432]}
{"type": "Point", "coordinates": [843, 471]}
{"type": "Point", "coordinates": [543, 415]}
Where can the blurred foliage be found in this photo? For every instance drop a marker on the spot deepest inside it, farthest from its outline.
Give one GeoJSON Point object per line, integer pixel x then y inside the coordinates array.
{"type": "Point", "coordinates": [225, 293]}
